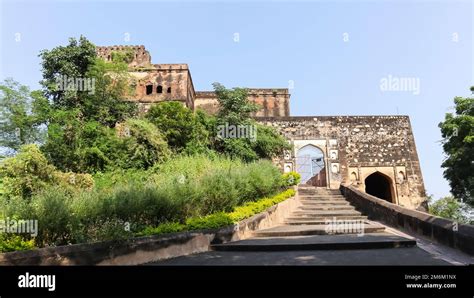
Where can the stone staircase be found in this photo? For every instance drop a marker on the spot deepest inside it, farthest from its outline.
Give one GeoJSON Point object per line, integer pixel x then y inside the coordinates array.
{"type": "Point", "coordinates": [324, 220]}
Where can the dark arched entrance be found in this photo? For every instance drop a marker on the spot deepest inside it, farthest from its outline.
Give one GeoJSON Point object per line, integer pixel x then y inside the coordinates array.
{"type": "Point", "coordinates": [380, 186]}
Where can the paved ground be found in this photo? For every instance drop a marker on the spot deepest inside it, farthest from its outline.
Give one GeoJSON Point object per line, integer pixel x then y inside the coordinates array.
{"type": "Point", "coordinates": [386, 256]}
{"type": "Point", "coordinates": [318, 242]}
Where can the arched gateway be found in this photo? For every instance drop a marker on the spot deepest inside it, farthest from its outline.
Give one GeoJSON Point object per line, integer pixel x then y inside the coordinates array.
{"type": "Point", "coordinates": [311, 166]}
{"type": "Point", "coordinates": [380, 186]}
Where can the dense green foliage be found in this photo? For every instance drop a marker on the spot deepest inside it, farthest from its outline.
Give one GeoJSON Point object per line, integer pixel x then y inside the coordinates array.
{"type": "Point", "coordinates": [19, 120]}
{"type": "Point", "coordinates": [291, 178]}
{"type": "Point", "coordinates": [183, 130]}
{"type": "Point", "coordinates": [458, 144]}
{"type": "Point", "coordinates": [450, 208]}
{"type": "Point", "coordinates": [29, 172]}
{"type": "Point", "coordinates": [14, 242]}
{"type": "Point", "coordinates": [182, 188]}
{"type": "Point", "coordinates": [81, 135]}
{"type": "Point", "coordinates": [220, 219]}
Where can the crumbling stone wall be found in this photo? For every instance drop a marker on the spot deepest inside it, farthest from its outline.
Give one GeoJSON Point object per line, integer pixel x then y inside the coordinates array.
{"type": "Point", "coordinates": [141, 57]}
{"type": "Point", "coordinates": [162, 82]}
{"type": "Point", "coordinates": [357, 146]}
{"type": "Point", "coordinates": [273, 102]}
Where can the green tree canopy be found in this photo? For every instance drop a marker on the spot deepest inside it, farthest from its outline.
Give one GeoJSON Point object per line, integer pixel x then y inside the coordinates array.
{"type": "Point", "coordinates": [74, 78]}
{"type": "Point", "coordinates": [458, 143]}
{"type": "Point", "coordinates": [235, 109]}
{"type": "Point", "coordinates": [180, 126]}
{"type": "Point", "coordinates": [19, 115]}
{"type": "Point", "coordinates": [450, 208]}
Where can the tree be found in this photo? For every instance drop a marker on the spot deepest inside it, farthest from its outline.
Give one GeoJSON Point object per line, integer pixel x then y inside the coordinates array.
{"type": "Point", "coordinates": [74, 78]}
{"type": "Point", "coordinates": [19, 122]}
{"type": "Point", "coordinates": [234, 106]}
{"type": "Point", "coordinates": [450, 208]}
{"type": "Point", "coordinates": [458, 143]}
{"type": "Point", "coordinates": [86, 102]}
{"type": "Point", "coordinates": [180, 126]}
{"type": "Point", "coordinates": [236, 110]}
{"type": "Point", "coordinates": [144, 144]}
{"type": "Point", "coordinates": [66, 62]}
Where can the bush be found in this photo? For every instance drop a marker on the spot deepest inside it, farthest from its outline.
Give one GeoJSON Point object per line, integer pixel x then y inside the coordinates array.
{"type": "Point", "coordinates": [144, 144]}
{"type": "Point", "coordinates": [56, 224]}
{"type": "Point", "coordinates": [450, 208]}
{"type": "Point", "coordinates": [29, 172]}
{"type": "Point", "coordinates": [107, 180]}
{"type": "Point", "coordinates": [182, 129]}
{"type": "Point", "coordinates": [14, 243]}
{"type": "Point", "coordinates": [291, 178]}
{"type": "Point", "coordinates": [212, 221]}
{"type": "Point", "coordinates": [188, 191]}
{"type": "Point", "coordinates": [164, 228]}
{"type": "Point", "coordinates": [251, 208]}
{"type": "Point", "coordinates": [219, 219]}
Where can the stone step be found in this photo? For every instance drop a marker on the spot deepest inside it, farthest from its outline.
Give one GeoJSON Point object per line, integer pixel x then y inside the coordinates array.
{"type": "Point", "coordinates": [326, 207]}
{"type": "Point", "coordinates": [321, 221]}
{"type": "Point", "coordinates": [301, 230]}
{"type": "Point", "coordinates": [319, 242]}
{"type": "Point", "coordinates": [326, 213]}
{"type": "Point", "coordinates": [308, 200]}
{"type": "Point", "coordinates": [319, 196]}
{"type": "Point", "coordinates": [325, 203]}
{"type": "Point", "coordinates": [324, 218]}
{"type": "Point", "coordinates": [319, 191]}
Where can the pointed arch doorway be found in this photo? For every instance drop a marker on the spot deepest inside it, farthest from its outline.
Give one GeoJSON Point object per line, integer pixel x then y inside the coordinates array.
{"type": "Point", "coordinates": [310, 164]}
{"type": "Point", "coordinates": [380, 186]}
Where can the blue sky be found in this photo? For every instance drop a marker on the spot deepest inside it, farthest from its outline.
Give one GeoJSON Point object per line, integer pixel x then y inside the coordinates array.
{"type": "Point", "coordinates": [335, 52]}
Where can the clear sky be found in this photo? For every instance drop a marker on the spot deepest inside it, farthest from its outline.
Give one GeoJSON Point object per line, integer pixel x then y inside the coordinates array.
{"type": "Point", "coordinates": [335, 53]}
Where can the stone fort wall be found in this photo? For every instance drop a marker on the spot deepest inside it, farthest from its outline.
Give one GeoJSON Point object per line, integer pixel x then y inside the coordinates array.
{"type": "Point", "coordinates": [357, 146]}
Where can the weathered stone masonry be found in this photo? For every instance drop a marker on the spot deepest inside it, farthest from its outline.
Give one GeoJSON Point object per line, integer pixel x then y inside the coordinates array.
{"type": "Point", "coordinates": [377, 154]}
{"type": "Point", "coordinates": [356, 147]}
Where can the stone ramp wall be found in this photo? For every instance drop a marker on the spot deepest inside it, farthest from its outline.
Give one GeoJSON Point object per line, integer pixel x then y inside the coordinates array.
{"type": "Point", "coordinates": [444, 231]}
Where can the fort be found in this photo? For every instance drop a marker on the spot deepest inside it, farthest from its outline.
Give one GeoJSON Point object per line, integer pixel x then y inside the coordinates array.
{"type": "Point", "coordinates": [376, 154]}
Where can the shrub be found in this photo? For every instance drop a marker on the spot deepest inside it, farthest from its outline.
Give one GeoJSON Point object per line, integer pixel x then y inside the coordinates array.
{"type": "Point", "coordinates": [212, 221]}
{"type": "Point", "coordinates": [105, 230]}
{"type": "Point", "coordinates": [145, 145]}
{"type": "Point", "coordinates": [192, 191]}
{"type": "Point", "coordinates": [29, 172]}
{"type": "Point", "coordinates": [251, 208]}
{"type": "Point", "coordinates": [26, 173]}
{"type": "Point", "coordinates": [52, 209]}
{"type": "Point", "coordinates": [219, 219]}
{"type": "Point", "coordinates": [291, 178]}
{"type": "Point", "coordinates": [164, 228]}
{"type": "Point", "coordinates": [182, 129]}
{"type": "Point", "coordinates": [107, 180]}
{"type": "Point", "coordinates": [14, 243]}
